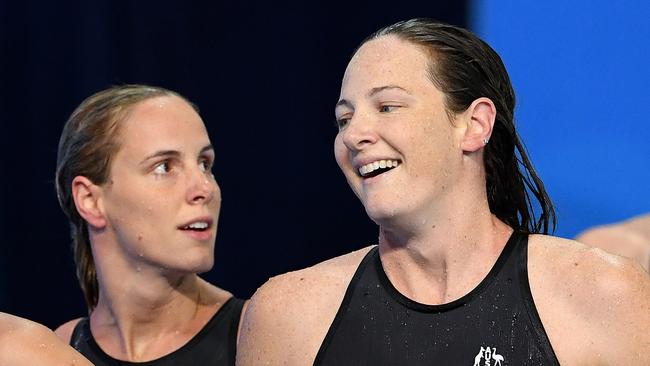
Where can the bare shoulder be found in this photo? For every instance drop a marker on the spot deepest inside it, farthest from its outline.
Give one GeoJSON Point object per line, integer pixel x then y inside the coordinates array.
{"type": "Point", "coordinates": [630, 238]}
{"type": "Point", "coordinates": [14, 329]}
{"type": "Point", "coordinates": [586, 273]}
{"type": "Point", "coordinates": [64, 331]}
{"type": "Point", "coordinates": [11, 325]}
{"type": "Point", "coordinates": [288, 317]}
{"type": "Point", "coordinates": [590, 300]}
{"type": "Point", "coordinates": [324, 278]}
{"type": "Point", "coordinates": [24, 342]}
{"type": "Point", "coordinates": [640, 224]}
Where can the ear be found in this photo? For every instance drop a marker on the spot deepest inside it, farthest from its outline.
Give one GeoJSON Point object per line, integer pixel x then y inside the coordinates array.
{"type": "Point", "coordinates": [480, 121]}
{"type": "Point", "coordinates": [87, 199]}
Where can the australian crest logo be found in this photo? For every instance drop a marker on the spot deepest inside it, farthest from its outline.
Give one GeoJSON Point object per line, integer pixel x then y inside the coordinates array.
{"type": "Point", "coordinates": [488, 356]}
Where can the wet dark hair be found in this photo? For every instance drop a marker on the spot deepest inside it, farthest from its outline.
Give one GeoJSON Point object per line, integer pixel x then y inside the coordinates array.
{"type": "Point", "coordinates": [88, 143]}
{"type": "Point", "coordinates": [466, 68]}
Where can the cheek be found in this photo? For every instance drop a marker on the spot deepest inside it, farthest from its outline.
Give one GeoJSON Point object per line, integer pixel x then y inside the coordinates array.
{"type": "Point", "coordinates": [138, 207]}
{"type": "Point", "coordinates": [217, 193]}
{"type": "Point", "coordinates": [216, 201]}
{"type": "Point", "coordinates": [341, 153]}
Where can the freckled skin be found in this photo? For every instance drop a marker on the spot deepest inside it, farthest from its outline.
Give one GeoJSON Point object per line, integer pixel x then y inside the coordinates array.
{"type": "Point", "coordinates": [437, 237]}
{"type": "Point", "coordinates": [418, 133]}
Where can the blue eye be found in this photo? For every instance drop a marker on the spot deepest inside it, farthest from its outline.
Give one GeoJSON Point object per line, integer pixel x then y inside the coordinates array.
{"type": "Point", "coordinates": [162, 168]}
{"type": "Point", "coordinates": [387, 108]}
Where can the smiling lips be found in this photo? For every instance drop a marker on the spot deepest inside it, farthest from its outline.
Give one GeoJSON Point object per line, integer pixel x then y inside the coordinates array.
{"type": "Point", "coordinates": [377, 167]}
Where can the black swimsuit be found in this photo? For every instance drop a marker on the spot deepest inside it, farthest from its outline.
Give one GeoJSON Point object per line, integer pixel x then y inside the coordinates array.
{"type": "Point", "coordinates": [496, 324]}
{"type": "Point", "coordinates": [215, 344]}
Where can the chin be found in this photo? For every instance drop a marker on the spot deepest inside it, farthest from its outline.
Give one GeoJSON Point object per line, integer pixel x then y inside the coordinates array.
{"type": "Point", "coordinates": [195, 267]}
{"type": "Point", "coordinates": [381, 214]}
{"type": "Point", "coordinates": [199, 261]}
{"type": "Point", "coordinates": [204, 268]}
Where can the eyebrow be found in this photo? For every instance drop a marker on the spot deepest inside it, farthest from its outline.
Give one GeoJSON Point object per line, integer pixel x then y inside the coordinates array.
{"type": "Point", "coordinates": [206, 148]}
{"type": "Point", "coordinates": [372, 92]}
{"type": "Point", "coordinates": [173, 153]}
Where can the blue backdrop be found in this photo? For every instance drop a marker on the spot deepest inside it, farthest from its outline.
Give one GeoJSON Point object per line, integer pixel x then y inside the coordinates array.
{"type": "Point", "coordinates": [580, 71]}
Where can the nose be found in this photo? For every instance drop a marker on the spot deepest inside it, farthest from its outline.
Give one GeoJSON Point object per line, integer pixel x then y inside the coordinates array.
{"type": "Point", "coordinates": [202, 187]}
{"type": "Point", "coordinates": [359, 132]}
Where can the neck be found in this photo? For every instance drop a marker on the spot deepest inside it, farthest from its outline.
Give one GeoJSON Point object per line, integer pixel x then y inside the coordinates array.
{"type": "Point", "coordinates": [446, 256]}
{"type": "Point", "coordinates": [144, 311]}
{"type": "Point", "coordinates": [145, 299]}
{"type": "Point", "coordinates": [140, 311]}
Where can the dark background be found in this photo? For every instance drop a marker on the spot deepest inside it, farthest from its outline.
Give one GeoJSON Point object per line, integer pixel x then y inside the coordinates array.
{"type": "Point", "coordinates": [265, 77]}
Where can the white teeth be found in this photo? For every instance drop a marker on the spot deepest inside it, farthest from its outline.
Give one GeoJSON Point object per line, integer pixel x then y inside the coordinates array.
{"type": "Point", "coordinates": [371, 167]}
{"type": "Point", "coordinates": [198, 225]}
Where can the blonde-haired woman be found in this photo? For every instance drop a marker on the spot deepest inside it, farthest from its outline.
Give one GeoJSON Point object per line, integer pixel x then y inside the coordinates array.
{"type": "Point", "coordinates": [134, 176]}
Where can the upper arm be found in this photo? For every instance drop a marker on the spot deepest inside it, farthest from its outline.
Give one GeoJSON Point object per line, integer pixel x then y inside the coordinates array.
{"type": "Point", "coordinates": [594, 306]}
{"type": "Point", "coordinates": [270, 333]}
{"type": "Point", "coordinates": [289, 316]}
{"type": "Point", "coordinates": [64, 331]}
{"type": "Point", "coordinates": [624, 316]}
{"type": "Point", "coordinates": [610, 302]}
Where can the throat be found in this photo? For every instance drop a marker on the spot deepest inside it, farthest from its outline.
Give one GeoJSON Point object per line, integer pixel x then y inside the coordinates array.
{"type": "Point", "coordinates": [426, 284]}
{"type": "Point", "coordinates": [151, 334]}
{"type": "Point", "coordinates": [435, 274]}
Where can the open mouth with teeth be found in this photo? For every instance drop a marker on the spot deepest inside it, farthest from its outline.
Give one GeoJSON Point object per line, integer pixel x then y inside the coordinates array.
{"type": "Point", "coordinates": [375, 168]}
{"type": "Point", "coordinates": [196, 226]}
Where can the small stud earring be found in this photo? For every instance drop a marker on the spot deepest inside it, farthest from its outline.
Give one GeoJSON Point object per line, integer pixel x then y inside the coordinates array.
{"type": "Point", "coordinates": [485, 141]}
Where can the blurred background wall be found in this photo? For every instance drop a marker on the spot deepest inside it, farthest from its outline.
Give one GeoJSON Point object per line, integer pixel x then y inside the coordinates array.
{"type": "Point", "coordinates": [265, 77]}
{"type": "Point", "coordinates": [581, 70]}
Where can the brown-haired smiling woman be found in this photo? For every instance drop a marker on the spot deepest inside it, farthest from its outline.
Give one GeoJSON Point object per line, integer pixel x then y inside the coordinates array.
{"type": "Point", "coordinates": [134, 178]}
{"type": "Point", "coordinates": [463, 273]}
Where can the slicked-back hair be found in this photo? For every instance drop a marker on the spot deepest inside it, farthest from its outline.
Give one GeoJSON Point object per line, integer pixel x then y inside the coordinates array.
{"type": "Point", "coordinates": [89, 140]}
{"type": "Point", "coordinates": [466, 68]}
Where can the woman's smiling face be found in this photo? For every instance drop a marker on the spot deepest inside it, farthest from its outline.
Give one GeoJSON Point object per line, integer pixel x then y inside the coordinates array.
{"type": "Point", "coordinates": [391, 116]}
